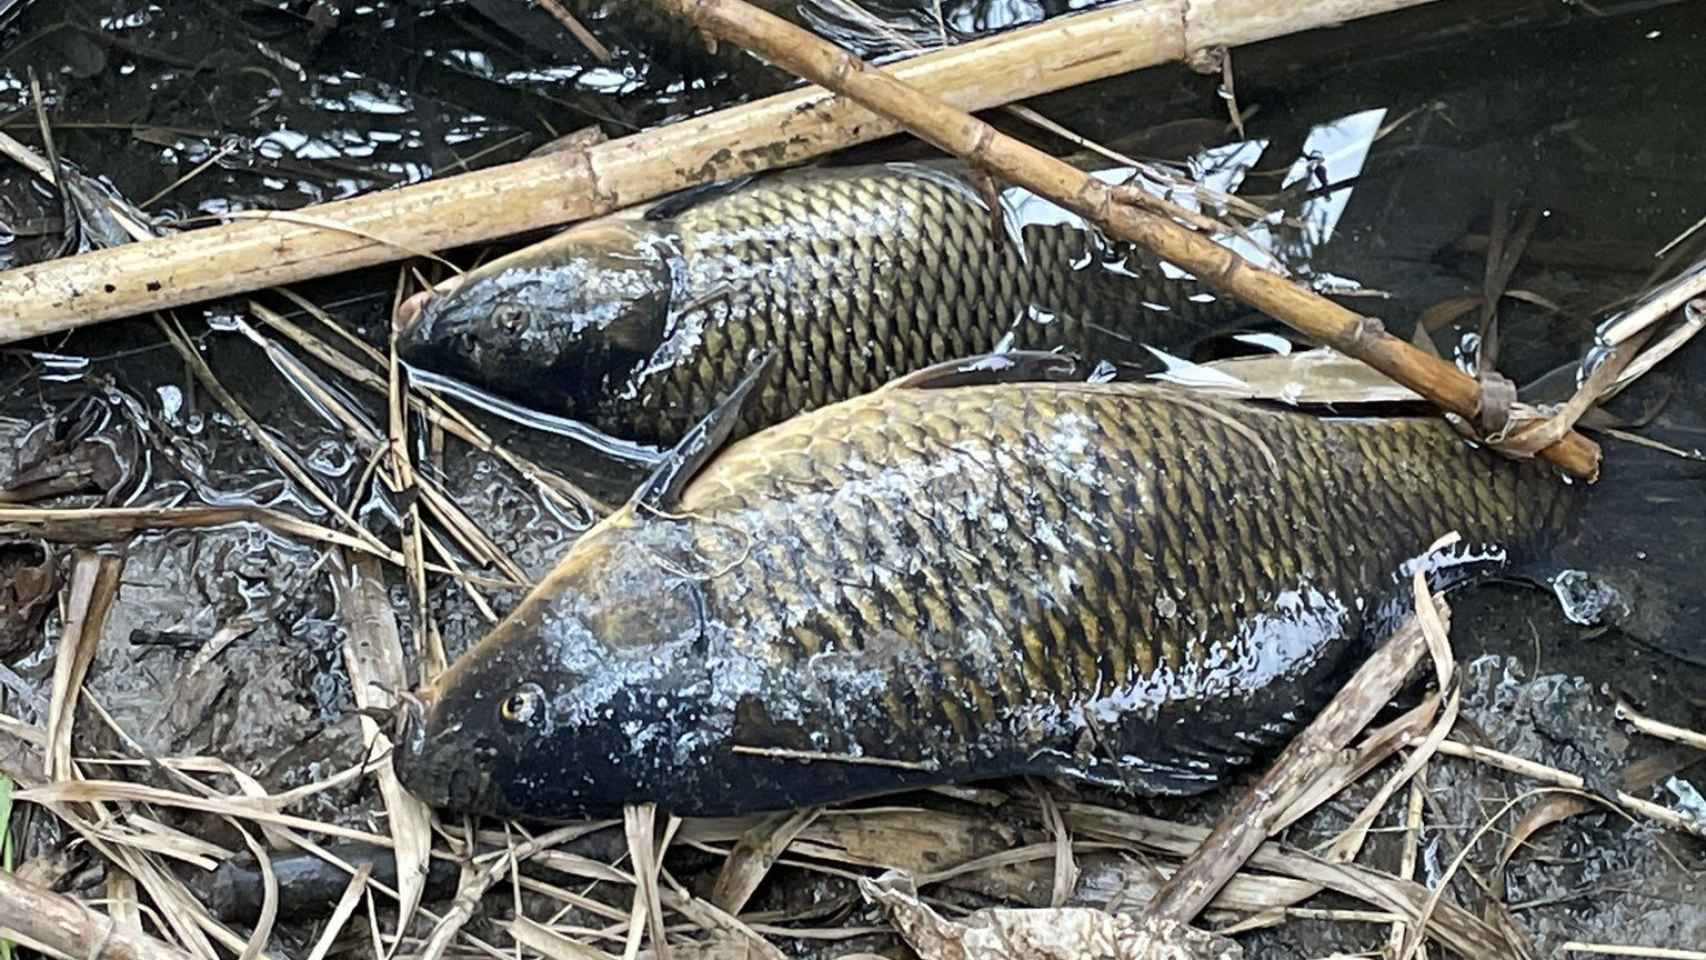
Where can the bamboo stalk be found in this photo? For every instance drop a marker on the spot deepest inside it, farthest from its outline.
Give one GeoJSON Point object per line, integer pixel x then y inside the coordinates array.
{"type": "Point", "coordinates": [558, 188]}
{"type": "Point", "coordinates": [957, 132]}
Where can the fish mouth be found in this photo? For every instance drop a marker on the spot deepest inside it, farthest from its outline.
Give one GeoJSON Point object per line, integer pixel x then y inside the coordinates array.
{"type": "Point", "coordinates": [415, 324]}
{"type": "Point", "coordinates": [435, 769]}
{"type": "Point", "coordinates": [409, 311]}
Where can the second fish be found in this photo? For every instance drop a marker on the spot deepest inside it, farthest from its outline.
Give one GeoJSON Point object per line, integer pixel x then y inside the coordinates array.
{"type": "Point", "coordinates": [636, 324]}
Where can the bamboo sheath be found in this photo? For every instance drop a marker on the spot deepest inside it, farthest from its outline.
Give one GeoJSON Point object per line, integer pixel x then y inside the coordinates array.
{"type": "Point", "coordinates": [959, 133]}
{"type": "Point", "coordinates": [555, 189]}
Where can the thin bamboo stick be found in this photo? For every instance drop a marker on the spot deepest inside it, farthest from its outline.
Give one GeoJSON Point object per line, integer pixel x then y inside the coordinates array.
{"type": "Point", "coordinates": [558, 188]}
{"type": "Point", "coordinates": [963, 135]}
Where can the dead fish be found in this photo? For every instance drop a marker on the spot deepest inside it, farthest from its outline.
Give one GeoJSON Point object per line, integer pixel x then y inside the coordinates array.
{"type": "Point", "coordinates": [637, 325]}
{"type": "Point", "coordinates": [957, 578]}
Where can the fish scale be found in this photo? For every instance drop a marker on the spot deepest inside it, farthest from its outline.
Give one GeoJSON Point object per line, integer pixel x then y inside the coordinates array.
{"type": "Point", "coordinates": [1205, 498]}
{"type": "Point", "coordinates": [639, 323]}
{"type": "Point", "coordinates": [1121, 582]}
{"type": "Point", "coordinates": [833, 292]}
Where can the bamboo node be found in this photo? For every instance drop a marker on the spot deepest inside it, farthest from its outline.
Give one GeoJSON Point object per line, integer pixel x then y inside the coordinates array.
{"type": "Point", "coordinates": [985, 136]}
{"type": "Point", "coordinates": [1357, 338]}
{"type": "Point", "coordinates": [1209, 61]}
{"type": "Point", "coordinates": [1498, 399]}
{"type": "Point", "coordinates": [601, 193]}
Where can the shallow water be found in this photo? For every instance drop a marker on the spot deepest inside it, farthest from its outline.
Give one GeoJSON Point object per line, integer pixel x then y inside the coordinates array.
{"type": "Point", "coordinates": [1391, 144]}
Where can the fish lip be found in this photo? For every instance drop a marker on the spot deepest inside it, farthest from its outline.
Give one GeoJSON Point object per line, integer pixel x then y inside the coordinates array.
{"type": "Point", "coordinates": [430, 765]}
{"type": "Point", "coordinates": [409, 759]}
{"type": "Point", "coordinates": [414, 322]}
{"type": "Point", "coordinates": [409, 312]}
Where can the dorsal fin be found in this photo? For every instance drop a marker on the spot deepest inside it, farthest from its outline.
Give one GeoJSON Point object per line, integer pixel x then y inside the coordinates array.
{"type": "Point", "coordinates": [662, 490]}
{"type": "Point", "coordinates": [1014, 366]}
{"type": "Point", "coordinates": [680, 202]}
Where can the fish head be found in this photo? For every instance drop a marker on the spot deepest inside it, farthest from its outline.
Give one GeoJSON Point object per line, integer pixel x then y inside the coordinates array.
{"type": "Point", "coordinates": [557, 326]}
{"type": "Point", "coordinates": [581, 701]}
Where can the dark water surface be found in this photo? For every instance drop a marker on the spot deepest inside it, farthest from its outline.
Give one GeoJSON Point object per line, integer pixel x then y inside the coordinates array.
{"type": "Point", "coordinates": [1392, 146]}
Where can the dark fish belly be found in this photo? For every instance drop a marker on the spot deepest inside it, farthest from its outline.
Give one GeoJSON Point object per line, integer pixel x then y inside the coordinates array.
{"type": "Point", "coordinates": [1107, 582]}
{"type": "Point", "coordinates": [854, 278]}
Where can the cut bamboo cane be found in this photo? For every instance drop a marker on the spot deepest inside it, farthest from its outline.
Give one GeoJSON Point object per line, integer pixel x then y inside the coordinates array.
{"type": "Point", "coordinates": [957, 132]}
{"type": "Point", "coordinates": [558, 188]}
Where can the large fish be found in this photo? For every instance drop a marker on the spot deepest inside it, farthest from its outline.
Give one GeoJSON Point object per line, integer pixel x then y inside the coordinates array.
{"type": "Point", "coordinates": [1120, 582]}
{"type": "Point", "coordinates": [637, 325]}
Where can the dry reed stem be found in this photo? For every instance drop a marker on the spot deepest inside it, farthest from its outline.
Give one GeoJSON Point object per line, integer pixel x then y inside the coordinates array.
{"type": "Point", "coordinates": [466, 533]}
{"type": "Point", "coordinates": [274, 450]}
{"type": "Point", "coordinates": [639, 822]}
{"type": "Point", "coordinates": [1412, 848]}
{"type": "Point", "coordinates": [750, 860]}
{"type": "Point", "coordinates": [436, 409]}
{"type": "Point", "coordinates": [1349, 843]}
{"type": "Point", "coordinates": [475, 884]}
{"type": "Point", "coordinates": [138, 857]}
{"type": "Point", "coordinates": [559, 188]}
{"type": "Point", "coordinates": [94, 586]}
{"type": "Point", "coordinates": [342, 912]}
{"type": "Point", "coordinates": [62, 926]}
{"type": "Point", "coordinates": [373, 653]}
{"type": "Point", "coordinates": [1065, 866]}
{"type": "Point", "coordinates": [551, 944]}
{"type": "Point", "coordinates": [103, 524]}
{"type": "Point", "coordinates": [1256, 814]}
{"type": "Point", "coordinates": [1668, 299]}
{"type": "Point", "coordinates": [269, 896]}
{"type": "Point", "coordinates": [1538, 771]}
{"type": "Point", "coordinates": [1658, 728]}
{"type": "Point", "coordinates": [1449, 924]}
{"type": "Point", "coordinates": [1414, 940]}
{"type": "Point", "coordinates": [961, 134]}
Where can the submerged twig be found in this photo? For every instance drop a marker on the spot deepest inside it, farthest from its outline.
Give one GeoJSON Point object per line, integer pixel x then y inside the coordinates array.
{"type": "Point", "coordinates": [575, 27]}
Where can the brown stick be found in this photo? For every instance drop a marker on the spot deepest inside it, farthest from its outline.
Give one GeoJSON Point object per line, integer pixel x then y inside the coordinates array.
{"type": "Point", "coordinates": [959, 133]}
{"type": "Point", "coordinates": [61, 924]}
{"type": "Point", "coordinates": [559, 188]}
{"type": "Point", "coordinates": [1247, 825]}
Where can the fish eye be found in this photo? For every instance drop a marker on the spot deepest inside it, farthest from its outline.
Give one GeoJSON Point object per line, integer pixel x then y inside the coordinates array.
{"type": "Point", "coordinates": [524, 706]}
{"type": "Point", "coordinates": [510, 317]}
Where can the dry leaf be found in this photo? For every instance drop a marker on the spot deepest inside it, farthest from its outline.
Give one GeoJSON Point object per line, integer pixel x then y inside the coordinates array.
{"type": "Point", "coordinates": [94, 585]}
{"type": "Point", "coordinates": [1319, 376]}
{"type": "Point", "coordinates": [26, 591]}
{"type": "Point", "coordinates": [373, 652]}
{"type": "Point", "coordinates": [1065, 933]}
{"type": "Point", "coordinates": [753, 856]}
